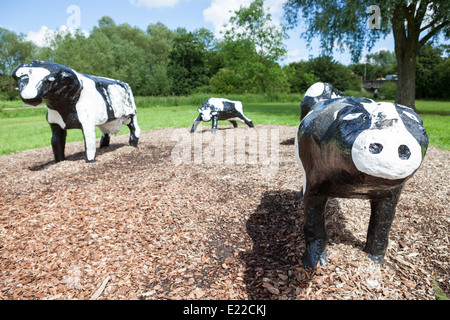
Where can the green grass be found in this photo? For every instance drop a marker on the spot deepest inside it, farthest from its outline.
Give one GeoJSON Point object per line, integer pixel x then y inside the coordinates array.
{"type": "Point", "coordinates": [24, 129]}
{"type": "Point", "coordinates": [438, 107]}
{"type": "Point", "coordinates": [439, 293]}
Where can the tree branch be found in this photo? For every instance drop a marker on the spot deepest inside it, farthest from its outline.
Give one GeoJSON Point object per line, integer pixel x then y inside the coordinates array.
{"type": "Point", "coordinates": [432, 33]}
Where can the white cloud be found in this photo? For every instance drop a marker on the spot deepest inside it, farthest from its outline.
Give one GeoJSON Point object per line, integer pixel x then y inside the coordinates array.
{"type": "Point", "coordinates": [220, 12]}
{"type": "Point", "coordinates": [44, 36]}
{"type": "Point", "coordinates": [294, 56]}
{"type": "Point", "coordinates": [154, 3]}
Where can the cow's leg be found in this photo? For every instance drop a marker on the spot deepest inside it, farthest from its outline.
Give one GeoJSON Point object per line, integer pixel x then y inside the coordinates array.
{"type": "Point", "coordinates": [58, 142]}
{"type": "Point", "coordinates": [247, 121]}
{"type": "Point", "coordinates": [234, 123]}
{"type": "Point", "coordinates": [135, 132]}
{"type": "Point", "coordinates": [381, 218]}
{"type": "Point", "coordinates": [215, 121]}
{"type": "Point", "coordinates": [196, 123]}
{"type": "Point", "coordinates": [105, 141]}
{"type": "Point", "coordinates": [90, 141]}
{"type": "Point", "coordinates": [315, 232]}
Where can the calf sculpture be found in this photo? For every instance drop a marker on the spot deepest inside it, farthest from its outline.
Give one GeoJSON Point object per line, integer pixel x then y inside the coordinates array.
{"type": "Point", "coordinates": [351, 147]}
{"type": "Point", "coordinates": [216, 109]}
{"type": "Point", "coordinates": [78, 101]}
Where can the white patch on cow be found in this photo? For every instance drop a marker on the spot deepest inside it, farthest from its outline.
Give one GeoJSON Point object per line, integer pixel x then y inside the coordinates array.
{"type": "Point", "coordinates": [206, 115]}
{"type": "Point", "coordinates": [35, 77]}
{"type": "Point", "coordinates": [137, 132]}
{"type": "Point", "coordinates": [54, 117]}
{"type": "Point", "coordinates": [386, 164]}
{"type": "Point", "coordinates": [315, 90]}
{"type": "Point", "coordinates": [91, 111]}
{"type": "Point", "coordinates": [217, 103]}
{"type": "Point", "coordinates": [236, 119]}
{"type": "Point", "coordinates": [411, 116]}
{"type": "Point", "coordinates": [351, 116]}
{"type": "Point", "coordinates": [238, 106]}
{"type": "Point", "coordinates": [119, 100]}
{"type": "Point", "coordinates": [91, 108]}
{"type": "Point", "coordinates": [334, 95]}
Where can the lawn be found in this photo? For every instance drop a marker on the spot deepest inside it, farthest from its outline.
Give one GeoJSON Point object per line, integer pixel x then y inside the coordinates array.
{"type": "Point", "coordinates": [22, 129]}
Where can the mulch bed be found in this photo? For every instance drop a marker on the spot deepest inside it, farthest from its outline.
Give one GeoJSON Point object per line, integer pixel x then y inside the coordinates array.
{"type": "Point", "coordinates": [133, 225]}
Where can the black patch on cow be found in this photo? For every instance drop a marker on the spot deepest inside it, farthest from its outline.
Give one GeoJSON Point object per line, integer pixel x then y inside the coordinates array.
{"type": "Point", "coordinates": [325, 121]}
{"type": "Point", "coordinates": [102, 84]}
{"type": "Point", "coordinates": [414, 127]}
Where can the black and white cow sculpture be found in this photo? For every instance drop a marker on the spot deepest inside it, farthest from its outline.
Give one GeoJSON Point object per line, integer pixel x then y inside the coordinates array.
{"type": "Point", "coordinates": [78, 101]}
{"type": "Point", "coordinates": [351, 147]}
{"type": "Point", "coordinates": [317, 92]}
{"type": "Point", "coordinates": [216, 109]}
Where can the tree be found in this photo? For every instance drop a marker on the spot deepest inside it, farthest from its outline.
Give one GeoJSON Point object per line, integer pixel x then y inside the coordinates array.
{"type": "Point", "coordinates": [300, 76]}
{"type": "Point", "coordinates": [14, 50]}
{"type": "Point", "coordinates": [251, 48]}
{"type": "Point", "coordinates": [188, 63]}
{"type": "Point", "coordinates": [431, 82]}
{"type": "Point", "coordinates": [377, 65]}
{"type": "Point", "coordinates": [160, 43]}
{"type": "Point", "coordinates": [344, 23]}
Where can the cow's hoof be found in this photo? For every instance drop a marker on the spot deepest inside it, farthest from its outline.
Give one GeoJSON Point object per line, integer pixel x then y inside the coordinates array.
{"type": "Point", "coordinates": [313, 255]}
{"type": "Point", "coordinates": [134, 142]}
{"type": "Point", "coordinates": [90, 161]}
{"type": "Point", "coordinates": [378, 259]}
{"type": "Point", "coordinates": [104, 142]}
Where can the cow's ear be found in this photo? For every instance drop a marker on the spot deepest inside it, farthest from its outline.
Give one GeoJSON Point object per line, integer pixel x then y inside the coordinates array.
{"type": "Point", "coordinates": [68, 78]}
{"type": "Point", "coordinates": [14, 73]}
{"type": "Point", "coordinates": [64, 81]}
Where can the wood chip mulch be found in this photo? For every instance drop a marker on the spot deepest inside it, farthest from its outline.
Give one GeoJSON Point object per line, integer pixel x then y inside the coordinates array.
{"type": "Point", "coordinates": [133, 225]}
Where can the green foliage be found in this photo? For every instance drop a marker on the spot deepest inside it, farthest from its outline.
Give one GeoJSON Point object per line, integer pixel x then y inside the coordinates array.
{"type": "Point", "coordinates": [14, 50]}
{"type": "Point", "coordinates": [343, 24]}
{"type": "Point", "coordinates": [378, 65]}
{"type": "Point", "coordinates": [300, 76]}
{"type": "Point", "coordinates": [439, 293]}
{"type": "Point", "coordinates": [433, 73]}
{"type": "Point", "coordinates": [388, 91]}
{"type": "Point", "coordinates": [188, 63]}
{"type": "Point", "coordinates": [250, 51]}
{"type": "Point", "coordinates": [303, 74]}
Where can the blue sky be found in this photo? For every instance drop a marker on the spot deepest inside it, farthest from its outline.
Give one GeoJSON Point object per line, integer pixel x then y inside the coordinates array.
{"type": "Point", "coordinates": [36, 17]}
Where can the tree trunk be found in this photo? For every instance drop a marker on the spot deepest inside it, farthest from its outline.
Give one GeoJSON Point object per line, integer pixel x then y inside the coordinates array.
{"type": "Point", "coordinates": [406, 39]}
{"type": "Point", "coordinates": [406, 86]}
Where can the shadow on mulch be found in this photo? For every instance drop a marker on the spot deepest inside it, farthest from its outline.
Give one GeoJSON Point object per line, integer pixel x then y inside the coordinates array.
{"type": "Point", "coordinates": [79, 156]}
{"type": "Point", "coordinates": [276, 229]}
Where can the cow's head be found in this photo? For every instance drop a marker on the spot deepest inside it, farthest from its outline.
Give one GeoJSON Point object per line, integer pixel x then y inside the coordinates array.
{"type": "Point", "coordinates": [207, 113]}
{"type": "Point", "coordinates": [39, 79]}
{"type": "Point", "coordinates": [384, 140]}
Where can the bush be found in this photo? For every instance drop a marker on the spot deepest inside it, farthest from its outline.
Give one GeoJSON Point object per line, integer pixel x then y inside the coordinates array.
{"type": "Point", "coordinates": [388, 91]}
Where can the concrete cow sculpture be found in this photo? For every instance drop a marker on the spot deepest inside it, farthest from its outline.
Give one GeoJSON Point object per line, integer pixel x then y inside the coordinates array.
{"type": "Point", "coordinates": [318, 92]}
{"type": "Point", "coordinates": [216, 109]}
{"type": "Point", "coordinates": [352, 147]}
{"type": "Point", "coordinates": [78, 101]}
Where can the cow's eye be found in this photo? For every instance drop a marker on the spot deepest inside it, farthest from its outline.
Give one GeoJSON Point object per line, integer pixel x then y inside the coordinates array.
{"type": "Point", "coordinates": [23, 81]}
{"type": "Point", "coordinates": [352, 116]}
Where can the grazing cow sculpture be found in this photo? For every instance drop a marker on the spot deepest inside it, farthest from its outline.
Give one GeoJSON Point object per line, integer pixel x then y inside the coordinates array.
{"type": "Point", "coordinates": [216, 109]}
{"type": "Point", "coordinates": [78, 101]}
{"type": "Point", "coordinates": [351, 147]}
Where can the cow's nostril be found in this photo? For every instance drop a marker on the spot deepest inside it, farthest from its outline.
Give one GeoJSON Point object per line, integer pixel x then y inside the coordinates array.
{"type": "Point", "coordinates": [375, 148]}
{"type": "Point", "coordinates": [404, 153]}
